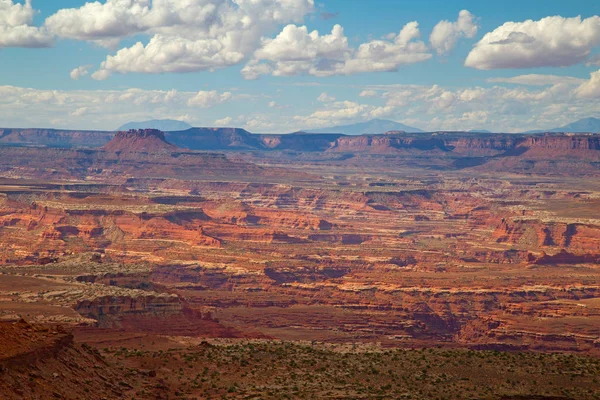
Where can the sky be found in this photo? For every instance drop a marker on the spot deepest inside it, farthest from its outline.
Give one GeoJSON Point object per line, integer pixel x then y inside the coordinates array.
{"type": "Point", "coordinates": [279, 66]}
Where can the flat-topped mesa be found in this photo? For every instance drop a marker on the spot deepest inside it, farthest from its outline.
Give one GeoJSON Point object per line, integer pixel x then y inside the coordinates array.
{"type": "Point", "coordinates": [139, 141]}
{"type": "Point", "coordinates": [396, 132]}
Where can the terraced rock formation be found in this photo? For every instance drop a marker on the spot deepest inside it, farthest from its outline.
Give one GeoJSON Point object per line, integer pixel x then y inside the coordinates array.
{"type": "Point", "coordinates": [449, 239]}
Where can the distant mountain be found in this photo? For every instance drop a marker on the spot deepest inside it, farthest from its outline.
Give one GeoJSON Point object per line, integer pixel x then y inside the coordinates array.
{"type": "Point", "coordinates": [377, 126]}
{"type": "Point", "coordinates": [584, 125]}
{"type": "Point", "coordinates": [164, 125]}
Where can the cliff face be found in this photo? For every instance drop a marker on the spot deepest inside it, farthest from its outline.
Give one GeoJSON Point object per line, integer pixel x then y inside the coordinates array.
{"type": "Point", "coordinates": [467, 144]}
{"type": "Point", "coordinates": [457, 143]}
{"type": "Point", "coordinates": [50, 230]}
{"type": "Point", "coordinates": [388, 143]}
{"type": "Point", "coordinates": [562, 142]}
{"type": "Point", "coordinates": [43, 362]}
{"type": "Point", "coordinates": [538, 234]}
{"type": "Point", "coordinates": [54, 137]}
{"type": "Point", "coordinates": [300, 141]}
{"type": "Point", "coordinates": [138, 304]}
{"type": "Point", "coordinates": [214, 139]}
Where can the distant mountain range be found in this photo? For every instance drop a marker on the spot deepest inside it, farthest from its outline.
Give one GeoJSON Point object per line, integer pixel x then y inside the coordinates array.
{"type": "Point", "coordinates": [375, 126]}
{"type": "Point", "coordinates": [585, 125]}
{"type": "Point", "coordinates": [165, 125]}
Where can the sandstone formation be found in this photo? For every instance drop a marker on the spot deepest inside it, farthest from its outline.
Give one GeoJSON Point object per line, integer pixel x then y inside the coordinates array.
{"type": "Point", "coordinates": [486, 241]}
{"type": "Point", "coordinates": [139, 141]}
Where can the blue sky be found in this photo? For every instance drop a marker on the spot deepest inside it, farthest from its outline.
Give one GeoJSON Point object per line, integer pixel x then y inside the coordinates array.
{"type": "Point", "coordinates": [261, 65]}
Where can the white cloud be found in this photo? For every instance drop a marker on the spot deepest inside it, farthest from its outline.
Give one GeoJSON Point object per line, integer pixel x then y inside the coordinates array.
{"type": "Point", "coordinates": [476, 117]}
{"type": "Point", "coordinates": [368, 93]}
{"type": "Point", "coordinates": [295, 43]}
{"type": "Point", "coordinates": [497, 108]}
{"type": "Point", "coordinates": [539, 80]}
{"type": "Point", "coordinates": [79, 112]}
{"type": "Point", "coordinates": [295, 51]}
{"type": "Point", "coordinates": [209, 99]}
{"type": "Point", "coordinates": [260, 123]}
{"type": "Point", "coordinates": [386, 56]}
{"type": "Point", "coordinates": [101, 75]}
{"type": "Point", "coordinates": [514, 109]}
{"type": "Point", "coordinates": [274, 104]}
{"type": "Point", "coordinates": [99, 21]}
{"type": "Point", "coordinates": [190, 35]}
{"type": "Point", "coordinates": [550, 42]}
{"type": "Point", "coordinates": [325, 98]}
{"type": "Point", "coordinates": [590, 89]}
{"type": "Point", "coordinates": [253, 70]}
{"type": "Point", "coordinates": [226, 122]}
{"type": "Point", "coordinates": [446, 34]}
{"type": "Point", "coordinates": [101, 109]}
{"type": "Point", "coordinates": [16, 26]}
{"type": "Point", "coordinates": [335, 113]}
{"type": "Point", "coordinates": [80, 72]}
{"type": "Point", "coordinates": [189, 18]}
{"type": "Point", "coordinates": [172, 54]}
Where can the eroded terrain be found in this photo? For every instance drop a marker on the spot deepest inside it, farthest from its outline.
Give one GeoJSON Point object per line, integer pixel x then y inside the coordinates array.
{"type": "Point", "coordinates": [410, 246]}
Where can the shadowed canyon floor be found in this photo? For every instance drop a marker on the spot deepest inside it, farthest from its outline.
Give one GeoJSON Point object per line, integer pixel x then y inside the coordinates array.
{"type": "Point", "coordinates": [379, 242]}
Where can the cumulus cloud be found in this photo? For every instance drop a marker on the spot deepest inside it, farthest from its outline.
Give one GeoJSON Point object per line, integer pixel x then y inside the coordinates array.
{"type": "Point", "coordinates": [435, 107]}
{"type": "Point", "coordinates": [172, 54]}
{"type": "Point", "coordinates": [253, 70]}
{"type": "Point", "coordinates": [105, 109]}
{"type": "Point", "coordinates": [296, 51]}
{"type": "Point", "coordinates": [80, 72]}
{"type": "Point", "coordinates": [539, 80]}
{"type": "Point", "coordinates": [259, 123]}
{"type": "Point", "coordinates": [276, 105]}
{"type": "Point", "coordinates": [495, 108]}
{"type": "Point", "coordinates": [368, 93]}
{"type": "Point", "coordinates": [113, 20]}
{"type": "Point", "coordinates": [385, 56]}
{"type": "Point", "coordinates": [295, 43]}
{"type": "Point", "coordinates": [200, 18]}
{"type": "Point", "coordinates": [191, 35]}
{"type": "Point", "coordinates": [205, 99]}
{"type": "Point", "coordinates": [590, 88]}
{"type": "Point", "coordinates": [334, 113]}
{"type": "Point", "coordinates": [446, 34]}
{"type": "Point", "coordinates": [325, 98]}
{"type": "Point", "coordinates": [16, 26]}
{"type": "Point", "coordinates": [79, 112]}
{"type": "Point", "coordinates": [550, 42]}
{"type": "Point", "coordinates": [224, 122]}
{"type": "Point", "coordinates": [101, 75]}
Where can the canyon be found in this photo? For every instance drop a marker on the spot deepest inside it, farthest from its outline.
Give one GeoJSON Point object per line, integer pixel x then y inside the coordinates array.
{"type": "Point", "coordinates": [454, 240]}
